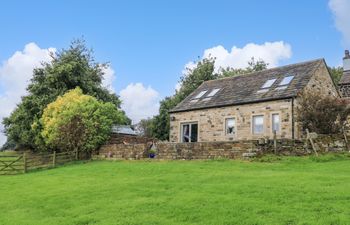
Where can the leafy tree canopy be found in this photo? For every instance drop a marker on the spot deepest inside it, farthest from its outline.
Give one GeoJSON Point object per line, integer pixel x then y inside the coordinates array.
{"type": "Point", "coordinates": [253, 65]}
{"type": "Point", "coordinates": [68, 69]}
{"type": "Point", "coordinates": [78, 122]}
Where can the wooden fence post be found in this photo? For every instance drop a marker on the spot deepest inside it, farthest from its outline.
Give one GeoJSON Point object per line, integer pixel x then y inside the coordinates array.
{"type": "Point", "coordinates": [54, 159]}
{"type": "Point", "coordinates": [345, 138]}
{"type": "Point", "coordinates": [311, 141]}
{"type": "Point", "coordinates": [275, 141]}
{"type": "Point", "coordinates": [24, 163]}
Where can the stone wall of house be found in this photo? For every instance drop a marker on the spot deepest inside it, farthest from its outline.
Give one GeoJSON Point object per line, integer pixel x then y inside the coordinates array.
{"type": "Point", "coordinates": [322, 82]}
{"type": "Point", "coordinates": [223, 149]}
{"type": "Point", "coordinates": [211, 122]}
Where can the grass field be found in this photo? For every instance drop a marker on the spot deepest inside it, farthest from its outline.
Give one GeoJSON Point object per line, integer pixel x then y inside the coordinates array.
{"type": "Point", "coordinates": [288, 191]}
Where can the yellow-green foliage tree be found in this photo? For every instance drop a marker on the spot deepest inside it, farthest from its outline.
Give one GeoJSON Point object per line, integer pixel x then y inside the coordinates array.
{"type": "Point", "coordinates": [78, 122]}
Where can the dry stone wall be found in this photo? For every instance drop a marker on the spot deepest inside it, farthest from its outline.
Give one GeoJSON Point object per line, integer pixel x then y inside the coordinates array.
{"type": "Point", "coordinates": [223, 149]}
{"type": "Point", "coordinates": [128, 139]}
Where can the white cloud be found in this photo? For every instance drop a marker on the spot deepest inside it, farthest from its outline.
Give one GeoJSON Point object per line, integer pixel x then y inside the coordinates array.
{"type": "Point", "coordinates": [108, 78]}
{"type": "Point", "coordinates": [270, 52]}
{"type": "Point", "coordinates": [341, 13]}
{"type": "Point", "coordinates": [139, 102]}
{"type": "Point", "coordinates": [15, 73]}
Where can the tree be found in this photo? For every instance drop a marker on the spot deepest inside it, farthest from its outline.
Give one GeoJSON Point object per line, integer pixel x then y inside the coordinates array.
{"type": "Point", "coordinates": [78, 122]}
{"type": "Point", "coordinates": [145, 127]}
{"type": "Point", "coordinates": [190, 81]}
{"type": "Point", "coordinates": [161, 122]}
{"type": "Point", "coordinates": [253, 66]}
{"type": "Point", "coordinates": [8, 145]}
{"type": "Point", "coordinates": [69, 68]}
{"type": "Point", "coordinates": [336, 73]}
{"type": "Point", "coordinates": [321, 114]}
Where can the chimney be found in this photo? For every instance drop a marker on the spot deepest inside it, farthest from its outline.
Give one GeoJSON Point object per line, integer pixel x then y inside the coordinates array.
{"type": "Point", "coordinates": [346, 61]}
{"type": "Point", "coordinates": [344, 83]}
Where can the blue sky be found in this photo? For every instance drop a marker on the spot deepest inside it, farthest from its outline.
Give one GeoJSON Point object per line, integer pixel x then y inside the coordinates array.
{"type": "Point", "coordinates": [150, 42]}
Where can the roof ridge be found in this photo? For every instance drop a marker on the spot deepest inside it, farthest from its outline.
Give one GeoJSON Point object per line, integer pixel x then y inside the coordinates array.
{"type": "Point", "coordinates": [270, 69]}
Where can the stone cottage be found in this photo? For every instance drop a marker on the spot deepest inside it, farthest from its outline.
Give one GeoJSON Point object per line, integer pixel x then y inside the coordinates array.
{"type": "Point", "coordinates": [250, 106]}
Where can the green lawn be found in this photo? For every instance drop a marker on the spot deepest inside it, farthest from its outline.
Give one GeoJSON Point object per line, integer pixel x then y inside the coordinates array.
{"type": "Point", "coordinates": [289, 191]}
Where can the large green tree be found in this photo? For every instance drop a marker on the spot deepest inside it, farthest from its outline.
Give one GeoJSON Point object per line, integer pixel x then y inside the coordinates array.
{"type": "Point", "coordinates": [191, 80]}
{"type": "Point", "coordinates": [68, 69]}
{"type": "Point", "coordinates": [78, 122]}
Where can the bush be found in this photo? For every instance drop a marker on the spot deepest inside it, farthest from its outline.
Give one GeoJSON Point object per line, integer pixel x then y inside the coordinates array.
{"type": "Point", "coordinates": [77, 122]}
{"type": "Point", "coordinates": [321, 114]}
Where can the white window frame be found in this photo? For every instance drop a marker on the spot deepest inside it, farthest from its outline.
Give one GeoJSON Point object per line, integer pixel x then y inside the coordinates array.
{"type": "Point", "coordinates": [235, 127]}
{"type": "Point", "coordinates": [252, 124]}
{"type": "Point", "coordinates": [200, 94]}
{"type": "Point", "coordinates": [279, 121]}
{"type": "Point", "coordinates": [213, 92]}
{"type": "Point", "coordinates": [268, 83]}
{"type": "Point", "coordinates": [284, 82]}
{"type": "Point", "coordinates": [182, 124]}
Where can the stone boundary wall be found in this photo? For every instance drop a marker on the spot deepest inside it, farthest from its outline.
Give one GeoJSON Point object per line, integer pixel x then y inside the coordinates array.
{"type": "Point", "coordinates": [217, 150]}
{"type": "Point", "coordinates": [128, 139]}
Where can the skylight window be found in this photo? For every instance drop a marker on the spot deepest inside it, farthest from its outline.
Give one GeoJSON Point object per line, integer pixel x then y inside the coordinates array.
{"type": "Point", "coordinates": [200, 94]}
{"type": "Point", "coordinates": [286, 80]}
{"type": "Point", "coordinates": [268, 83]}
{"type": "Point", "coordinates": [213, 92]}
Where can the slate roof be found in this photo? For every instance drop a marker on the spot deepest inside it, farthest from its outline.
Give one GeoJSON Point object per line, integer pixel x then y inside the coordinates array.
{"type": "Point", "coordinates": [345, 79]}
{"type": "Point", "coordinates": [243, 89]}
{"type": "Point", "coordinates": [123, 129]}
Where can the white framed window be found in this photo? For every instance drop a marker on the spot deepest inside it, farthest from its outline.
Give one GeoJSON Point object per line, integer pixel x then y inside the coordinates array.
{"type": "Point", "coordinates": [200, 94]}
{"type": "Point", "coordinates": [189, 132]}
{"type": "Point", "coordinates": [213, 92]}
{"type": "Point", "coordinates": [230, 126]}
{"type": "Point", "coordinates": [275, 118]}
{"type": "Point", "coordinates": [258, 124]}
{"type": "Point", "coordinates": [268, 83]}
{"type": "Point", "coordinates": [286, 80]}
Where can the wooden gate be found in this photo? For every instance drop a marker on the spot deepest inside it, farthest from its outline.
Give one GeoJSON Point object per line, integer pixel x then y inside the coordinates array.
{"type": "Point", "coordinates": [22, 163]}
{"type": "Point", "coordinates": [11, 164]}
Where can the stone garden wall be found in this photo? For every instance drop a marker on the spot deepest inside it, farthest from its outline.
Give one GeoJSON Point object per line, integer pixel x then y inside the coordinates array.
{"type": "Point", "coordinates": [224, 149]}
{"type": "Point", "coordinates": [128, 139]}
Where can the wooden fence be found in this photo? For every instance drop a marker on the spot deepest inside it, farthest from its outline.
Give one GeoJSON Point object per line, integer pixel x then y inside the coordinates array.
{"type": "Point", "coordinates": [22, 163]}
